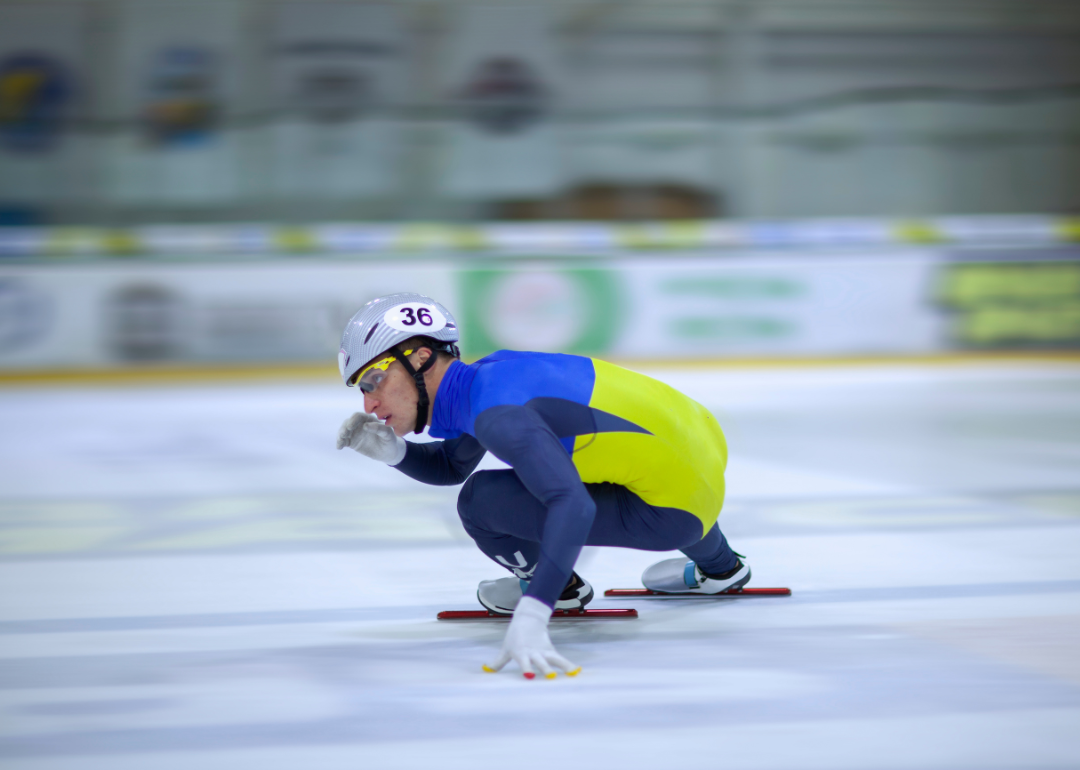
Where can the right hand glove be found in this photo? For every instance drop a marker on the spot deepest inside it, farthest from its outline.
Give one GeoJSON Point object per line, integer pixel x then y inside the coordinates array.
{"type": "Point", "coordinates": [527, 643]}
{"type": "Point", "coordinates": [372, 438]}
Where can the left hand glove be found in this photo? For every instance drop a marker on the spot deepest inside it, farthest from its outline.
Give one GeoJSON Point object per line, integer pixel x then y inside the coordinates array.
{"type": "Point", "coordinates": [528, 643]}
{"type": "Point", "coordinates": [372, 438]}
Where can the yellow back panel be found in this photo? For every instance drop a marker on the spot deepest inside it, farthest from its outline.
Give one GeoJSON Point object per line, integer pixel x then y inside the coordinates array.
{"type": "Point", "coordinates": [681, 465]}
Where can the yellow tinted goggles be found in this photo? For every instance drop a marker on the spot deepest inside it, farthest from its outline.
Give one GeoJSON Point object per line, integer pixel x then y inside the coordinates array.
{"type": "Point", "coordinates": [372, 375]}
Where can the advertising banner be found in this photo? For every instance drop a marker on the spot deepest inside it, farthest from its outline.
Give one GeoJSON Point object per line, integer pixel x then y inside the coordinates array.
{"type": "Point", "coordinates": [337, 68]}
{"type": "Point", "coordinates": [503, 71]}
{"type": "Point", "coordinates": [178, 79]}
{"type": "Point", "coordinates": [754, 305]}
{"type": "Point", "coordinates": [113, 315]}
{"type": "Point", "coordinates": [564, 310]}
{"type": "Point", "coordinates": [42, 89]}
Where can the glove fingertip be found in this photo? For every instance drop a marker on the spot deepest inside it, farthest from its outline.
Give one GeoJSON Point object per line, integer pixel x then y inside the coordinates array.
{"type": "Point", "coordinates": [529, 675]}
{"type": "Point", "coordinates": [559, 661]}
{"type": "Point", "coordinates": [497, 666]}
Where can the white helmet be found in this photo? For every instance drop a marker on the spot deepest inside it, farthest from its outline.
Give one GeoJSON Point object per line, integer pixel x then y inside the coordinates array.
{"type": "Point", "coordinates": [387, 321]}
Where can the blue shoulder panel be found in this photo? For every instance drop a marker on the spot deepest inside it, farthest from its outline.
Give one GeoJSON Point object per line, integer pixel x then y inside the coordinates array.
{"type": "Point", "coordinates": [510, 377]}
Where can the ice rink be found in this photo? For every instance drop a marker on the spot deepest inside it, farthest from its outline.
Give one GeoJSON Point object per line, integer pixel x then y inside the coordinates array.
{"type": "Point", "coordinates": [193, 577]}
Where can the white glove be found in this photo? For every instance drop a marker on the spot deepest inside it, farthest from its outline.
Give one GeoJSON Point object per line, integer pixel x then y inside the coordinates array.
{"type": "Point", "coordinates": [528, 643]}
{"type": "Point", "coordinates": [372, 438]}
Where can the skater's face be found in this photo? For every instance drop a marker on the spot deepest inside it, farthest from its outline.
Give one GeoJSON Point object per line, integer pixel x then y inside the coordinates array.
{"type": "Point", "coordinates": [395, 398]}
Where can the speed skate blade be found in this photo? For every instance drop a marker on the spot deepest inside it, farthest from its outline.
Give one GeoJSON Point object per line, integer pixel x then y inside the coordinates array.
{"type": "Point", "coordinates": [614, 614]}
{"type": "Point", "coordinates": [626, 592]}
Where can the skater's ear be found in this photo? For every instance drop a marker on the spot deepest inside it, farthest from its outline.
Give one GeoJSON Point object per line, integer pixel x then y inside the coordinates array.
{"type": "Point", "coordinates": [444, 351]}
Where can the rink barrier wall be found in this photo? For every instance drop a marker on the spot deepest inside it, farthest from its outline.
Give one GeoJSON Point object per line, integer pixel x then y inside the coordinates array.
{"type": "Point", "coordinates": [749, 304]}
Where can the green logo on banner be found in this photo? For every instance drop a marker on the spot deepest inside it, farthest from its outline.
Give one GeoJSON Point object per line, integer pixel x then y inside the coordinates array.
{"type": "Point", "coordinates": [556, 311]}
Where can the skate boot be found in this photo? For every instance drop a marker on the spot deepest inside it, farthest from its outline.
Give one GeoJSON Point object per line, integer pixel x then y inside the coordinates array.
{"type": "Point", "coordinates": [683, 576]}
{"type": "Point", "coordinates": [502, 595]}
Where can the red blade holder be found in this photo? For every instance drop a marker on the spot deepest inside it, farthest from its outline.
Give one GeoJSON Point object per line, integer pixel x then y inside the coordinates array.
{"type": "Point", "coordinates": [598, 614]}
{"type": "Point", "coordinates": [639, 592]}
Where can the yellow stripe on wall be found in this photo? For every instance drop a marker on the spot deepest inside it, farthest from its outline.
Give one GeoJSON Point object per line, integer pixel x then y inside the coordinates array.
{"type": "Point", "coordinates": [188, 373]}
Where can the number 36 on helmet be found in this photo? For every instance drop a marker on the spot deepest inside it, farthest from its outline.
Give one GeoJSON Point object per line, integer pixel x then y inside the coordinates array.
{"type": "Point", "coordinates": [385, 322]}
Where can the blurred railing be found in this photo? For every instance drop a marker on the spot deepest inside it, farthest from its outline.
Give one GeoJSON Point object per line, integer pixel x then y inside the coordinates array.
{"type": "Point", "coordinates": [241, 242]}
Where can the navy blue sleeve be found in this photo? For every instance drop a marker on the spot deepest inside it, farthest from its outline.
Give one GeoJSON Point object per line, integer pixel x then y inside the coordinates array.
{"type": "Point", "coordinates": [518, 436]}
{"type": "Point", "coordinates": [443, 463]}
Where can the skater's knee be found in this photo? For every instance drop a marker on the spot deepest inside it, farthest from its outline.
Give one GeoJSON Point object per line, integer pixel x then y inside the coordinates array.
{"type": "Point", "coordinates": [465, 498]}
{"type": "Point", "coordinates": [691, 535]}
{"type": "Point", "coordinates": [491, 501]}
{"type": "Point", "coordinates": [478, 496]}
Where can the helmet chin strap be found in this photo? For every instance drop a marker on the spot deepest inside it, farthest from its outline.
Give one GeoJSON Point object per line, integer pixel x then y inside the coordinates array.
{"type": "Point", "coordinates": [418, 377]}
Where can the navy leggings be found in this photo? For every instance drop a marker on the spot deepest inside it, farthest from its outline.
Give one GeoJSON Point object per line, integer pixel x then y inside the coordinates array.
{"type": "Point", "coordinates": [507, 523]}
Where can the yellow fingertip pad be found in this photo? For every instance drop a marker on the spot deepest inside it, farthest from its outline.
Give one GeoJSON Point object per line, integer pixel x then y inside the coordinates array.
{"type": "Point", "coordinates": [552, 675]}
{"type": "Point", "coordinates": [575, 672]}
{"type": "Point", "coordinates": [489, 670]}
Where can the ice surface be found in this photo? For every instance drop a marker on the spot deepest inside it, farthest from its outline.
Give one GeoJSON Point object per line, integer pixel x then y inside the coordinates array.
{"type": "Point", "coordinates": [194, 577]}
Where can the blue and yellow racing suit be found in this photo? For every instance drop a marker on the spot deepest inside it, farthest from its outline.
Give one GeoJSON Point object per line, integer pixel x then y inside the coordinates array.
{"type": "Point", "coordinates": [577, 432]}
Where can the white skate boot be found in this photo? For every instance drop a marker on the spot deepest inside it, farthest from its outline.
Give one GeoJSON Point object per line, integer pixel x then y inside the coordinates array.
{"type": "Point", "coordinates": [501, 596]}
{"type": "Point", "coordinates": [682, 576]}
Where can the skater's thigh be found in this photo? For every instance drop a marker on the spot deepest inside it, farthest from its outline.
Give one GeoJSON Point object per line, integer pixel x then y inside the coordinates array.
{"type": "Point", "coordinates": [497, 502]}
{"type": "Point", "coordinates": [625, 520]}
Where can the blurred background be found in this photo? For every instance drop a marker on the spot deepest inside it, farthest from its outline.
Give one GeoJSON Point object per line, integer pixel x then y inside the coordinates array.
{"type": "Point", "coordinates": [849, 228]}
{"type": "Point", "coordinates": [227, 181]}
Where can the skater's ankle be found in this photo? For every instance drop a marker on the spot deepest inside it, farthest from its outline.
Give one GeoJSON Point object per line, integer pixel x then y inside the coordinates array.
{"type": "Point", "coordinates": [572, 585]}
{"type": "Point", "coordinates": [724, 575]}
